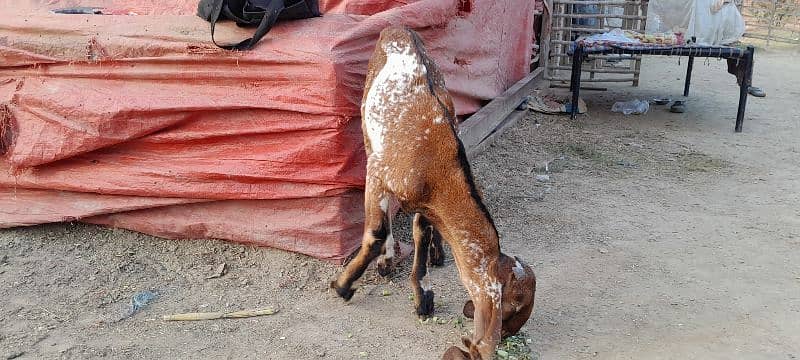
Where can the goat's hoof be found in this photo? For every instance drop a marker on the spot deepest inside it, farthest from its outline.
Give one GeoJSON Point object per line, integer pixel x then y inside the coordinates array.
{"type": "Point", "coordinates": [344, 293]}
{"type": "Point", "coordinates": [425, 307]}
{"type": "Point", "coordinates": [385, 267]}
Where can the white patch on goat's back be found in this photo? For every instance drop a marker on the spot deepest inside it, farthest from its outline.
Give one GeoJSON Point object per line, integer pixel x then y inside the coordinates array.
{"type": "Point", "coordinates": [384, 203]}
{"type": "Point", "coordinates": [387, 90]}
{"type": "Point", "coordinates": [438, 120]}
{"type": "Point", "coordinates": [519, 271]}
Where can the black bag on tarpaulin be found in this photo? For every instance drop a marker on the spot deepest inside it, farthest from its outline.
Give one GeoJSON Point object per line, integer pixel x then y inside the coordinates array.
{"type": "Point", "coordinates": [260, 13]}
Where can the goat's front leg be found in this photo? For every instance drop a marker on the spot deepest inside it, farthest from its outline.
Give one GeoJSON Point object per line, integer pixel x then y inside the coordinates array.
{"type": "Point", "coordinates": [423, 233]}
{"type": "Point", "coordinates": [376, 230]}
{"type": "Point", "coordinates": [486, 291]}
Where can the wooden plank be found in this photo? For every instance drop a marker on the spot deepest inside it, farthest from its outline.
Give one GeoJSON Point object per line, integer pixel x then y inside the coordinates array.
{"type": "Point", "coordinates": [600, 70]}
{"type": "Point", "coordinates": [582, 29]}
{"type": "Point", "coordinates": [505, 124]}
{"type": "Point", "coordinates": [597, 2]}
{"type": "Point", "coordinates": [605, 16]}
{"type": "Point", "coordinates": [566, 86]}
{"type": "Point", "coordinates": [626, 57]}
{"type": "Point", "coordinates": [481, 124]}
{"type": "Point", "coordinates": [592, 80]}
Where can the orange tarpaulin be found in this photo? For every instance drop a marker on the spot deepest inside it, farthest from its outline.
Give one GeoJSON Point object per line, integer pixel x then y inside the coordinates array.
{"type": "Point", "coordinates": [135, 120]}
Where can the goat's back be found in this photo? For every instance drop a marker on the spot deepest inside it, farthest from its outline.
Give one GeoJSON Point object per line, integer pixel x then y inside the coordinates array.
{"type": "Point", "coordinates": [407, 115]}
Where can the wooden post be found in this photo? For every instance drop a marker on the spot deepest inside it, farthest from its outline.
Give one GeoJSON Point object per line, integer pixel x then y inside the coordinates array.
{"type": "Point", "coordinates": [637, 63]}
{"type": "Point", "coordinates": [772, 21]}
{"type": "Point", "coordinates": [544, 41]}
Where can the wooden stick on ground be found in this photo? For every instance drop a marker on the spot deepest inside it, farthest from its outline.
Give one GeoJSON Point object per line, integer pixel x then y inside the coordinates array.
{"type": "Point", "coordinates": [219, 315]}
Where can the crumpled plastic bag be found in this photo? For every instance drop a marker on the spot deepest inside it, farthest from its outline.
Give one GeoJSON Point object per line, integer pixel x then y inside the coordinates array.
{"type": "Point", "coordinates": [635, 107]}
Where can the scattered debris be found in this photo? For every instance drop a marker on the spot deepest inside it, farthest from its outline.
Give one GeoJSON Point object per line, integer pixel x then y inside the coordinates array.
{"type": "Point", "coordinates": [220, 270]}
{"type": "Point", "coordinates": [15, 355]}
{"type": "Point", "coordinates": [220, 315]}
{"type": "Point", "coordinates": [386, 292]}
{"type": "Point", "coordinates": [661, 101]}
{"type": "Point", "coordinates": [437, 320]}
{"type": "Point", "coordinates": [678, 107]}
{"type": "Point", "coordinates": [515, 348]}
{"type": "Point", "coordinates": [635, 107]}
{"type": "Point", "coordinates": [554, 104]}
{"type": "Point", "coordinates": [542, 178]}
{"type": "Point", "coordinates": [139, 301]}
{"type": "Point", "coordinates": [458, 322]}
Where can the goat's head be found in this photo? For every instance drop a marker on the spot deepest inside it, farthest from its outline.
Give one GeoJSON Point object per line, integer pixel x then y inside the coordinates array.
{"type": "Point", "coordinates": [519, 288]}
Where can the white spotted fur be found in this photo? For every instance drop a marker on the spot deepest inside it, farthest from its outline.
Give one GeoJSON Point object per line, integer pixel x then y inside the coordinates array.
{"type": "Point", "coordinates": [387, 90]}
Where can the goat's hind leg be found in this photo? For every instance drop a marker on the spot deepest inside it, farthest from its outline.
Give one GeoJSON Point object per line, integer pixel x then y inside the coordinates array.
{"type": "Point", "coordinates": [423, 233]}
{"type": "Point", "coordinates": [376, 230]}
{"type": "Point", "coordinates": [385, 262]}
{"type": "Point", "coordinates": [436, 253]}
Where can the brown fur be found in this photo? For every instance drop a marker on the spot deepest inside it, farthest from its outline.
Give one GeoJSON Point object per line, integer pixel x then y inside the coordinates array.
{"type": "Point", "coordinates": [421, 162]}
{"type": "Point", "coordinates": [518, 296]}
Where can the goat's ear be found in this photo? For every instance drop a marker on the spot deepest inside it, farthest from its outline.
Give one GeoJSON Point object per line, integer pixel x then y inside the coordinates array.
{"type": "Point", "coordinates": [469, 309]}
{"type": "Point", "coordinates": [467, 341]}
{"type": "Point", "coordinates": [454, 353]}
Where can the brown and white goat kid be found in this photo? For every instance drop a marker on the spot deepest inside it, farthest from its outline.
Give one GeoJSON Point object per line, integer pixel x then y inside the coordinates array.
{"type": "Point", "coordinates": [415, 157]}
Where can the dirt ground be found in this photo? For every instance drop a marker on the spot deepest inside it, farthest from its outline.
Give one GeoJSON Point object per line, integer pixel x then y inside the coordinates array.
{"type": "Point", "coordinates": [660, 236]}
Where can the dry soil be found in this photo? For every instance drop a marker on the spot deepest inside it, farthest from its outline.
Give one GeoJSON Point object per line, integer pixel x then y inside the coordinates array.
{"type": "Point", "coordinates": [659, 236]}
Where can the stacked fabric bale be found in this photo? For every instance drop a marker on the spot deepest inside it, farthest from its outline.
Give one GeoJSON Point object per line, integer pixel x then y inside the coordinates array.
{"type": "Point", "coordinates": [138, 122]}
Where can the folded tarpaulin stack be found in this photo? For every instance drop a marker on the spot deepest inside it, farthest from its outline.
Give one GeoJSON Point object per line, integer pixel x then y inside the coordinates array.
{"type": "Point", "coordinates": [132, 118]}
